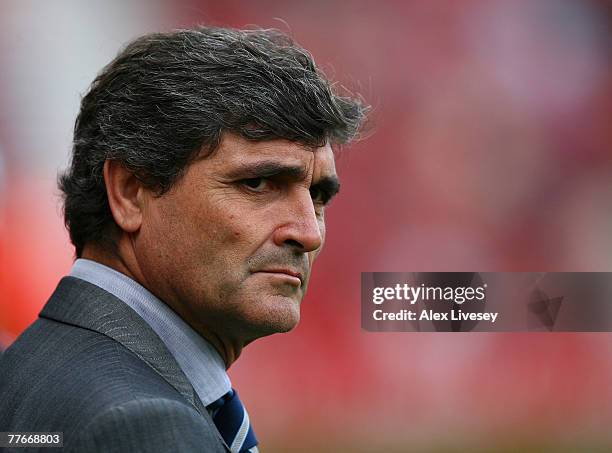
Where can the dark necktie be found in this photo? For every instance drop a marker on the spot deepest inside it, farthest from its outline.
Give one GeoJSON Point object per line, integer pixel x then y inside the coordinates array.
{"type": "Point", "coordinates": [233, 423]}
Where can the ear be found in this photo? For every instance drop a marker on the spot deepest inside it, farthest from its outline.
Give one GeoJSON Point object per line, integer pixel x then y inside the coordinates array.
{"type": "Point", "coordinates": [125, 196]}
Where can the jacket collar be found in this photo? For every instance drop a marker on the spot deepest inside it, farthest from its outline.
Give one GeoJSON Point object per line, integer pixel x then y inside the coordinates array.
{"type": "Point", "coordinates": [85, 305]}
{"type": "Point", "coordinates": [82, 304]}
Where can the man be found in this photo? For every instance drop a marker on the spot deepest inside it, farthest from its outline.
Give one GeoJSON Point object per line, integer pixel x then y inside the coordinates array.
{"type": "Point", "coordinates": [201, 169]}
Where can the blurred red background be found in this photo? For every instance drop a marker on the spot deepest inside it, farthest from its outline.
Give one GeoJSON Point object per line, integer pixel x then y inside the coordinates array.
{"type": "Point", "coordinates": [491, 151]}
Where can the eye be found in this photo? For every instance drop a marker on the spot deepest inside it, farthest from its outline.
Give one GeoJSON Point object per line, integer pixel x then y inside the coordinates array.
{"type": "Point", "coordinates": [318, 195]}
{"type": "Point", "coordinates": [255, 184]}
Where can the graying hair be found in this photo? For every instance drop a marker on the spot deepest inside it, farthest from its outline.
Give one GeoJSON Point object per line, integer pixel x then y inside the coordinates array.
{"type": "Point", "coordinates": [167, 98]}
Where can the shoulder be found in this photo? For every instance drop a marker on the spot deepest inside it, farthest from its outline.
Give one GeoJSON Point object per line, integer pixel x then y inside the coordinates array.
{"type": "Point", "coordinates": [144, 425]}
{"type": "Point", "coordinates": [58, 377]}
{"type": "Point", "coordinates": [54, 355]}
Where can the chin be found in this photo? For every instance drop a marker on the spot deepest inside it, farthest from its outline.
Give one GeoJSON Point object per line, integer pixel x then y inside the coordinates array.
{"type": "Point", "coordinates": [277, 315]}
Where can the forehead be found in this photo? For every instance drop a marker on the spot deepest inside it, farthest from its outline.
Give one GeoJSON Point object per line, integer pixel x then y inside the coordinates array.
{"type": "Point", "coordinates": [235, 151]}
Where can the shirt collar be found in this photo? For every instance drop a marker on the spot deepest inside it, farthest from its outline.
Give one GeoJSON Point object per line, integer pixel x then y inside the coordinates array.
{"type": "Point", "coordinates": [198, 359]}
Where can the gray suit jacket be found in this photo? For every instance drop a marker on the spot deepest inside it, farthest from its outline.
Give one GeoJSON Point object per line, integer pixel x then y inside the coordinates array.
{"type": "Point", "coordinates": [93, 369]}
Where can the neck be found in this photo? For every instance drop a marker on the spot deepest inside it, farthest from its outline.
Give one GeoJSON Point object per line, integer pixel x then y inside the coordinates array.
{"type": "Point", "coordinates": [227, 349]}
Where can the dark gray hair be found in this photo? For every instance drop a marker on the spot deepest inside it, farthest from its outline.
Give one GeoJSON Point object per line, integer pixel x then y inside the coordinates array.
{"type": "Point", "coordinates": [167, 98]}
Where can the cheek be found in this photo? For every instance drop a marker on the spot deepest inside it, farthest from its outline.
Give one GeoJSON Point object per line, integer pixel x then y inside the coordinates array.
{"type": "Point", "coordinates": [225, 232]}
{"type": "Point", "coordinates": [236, 233]}
{"type": "Point", "coordinates": [323, 231]}
{"type": "Point", "coordinates": [249, 230]}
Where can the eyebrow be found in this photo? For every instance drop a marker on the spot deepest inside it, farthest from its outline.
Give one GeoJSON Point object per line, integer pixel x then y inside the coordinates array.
{"type": "Point", "coordinates": [330, 185]}
{"type": "Point", "coordinates": [269, 169]}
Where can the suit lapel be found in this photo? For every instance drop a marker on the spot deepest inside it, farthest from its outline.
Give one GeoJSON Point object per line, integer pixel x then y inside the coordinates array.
{"type": "Point", "coordinates": [80, 303]}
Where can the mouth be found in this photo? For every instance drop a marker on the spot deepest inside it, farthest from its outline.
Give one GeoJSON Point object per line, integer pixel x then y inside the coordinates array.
{"type": "Point", "coordinates": [291, 275]}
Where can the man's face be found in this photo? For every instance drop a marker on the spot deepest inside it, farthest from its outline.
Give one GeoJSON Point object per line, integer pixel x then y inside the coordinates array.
{"type": "Point", "coordinates": [230, 247]}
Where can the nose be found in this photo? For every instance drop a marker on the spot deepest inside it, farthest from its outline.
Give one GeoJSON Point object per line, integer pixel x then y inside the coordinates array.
{"type": "Point", "coordinates": [302, 229]}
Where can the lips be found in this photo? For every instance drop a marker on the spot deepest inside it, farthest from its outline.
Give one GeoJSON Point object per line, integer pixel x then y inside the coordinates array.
{"type": "Point", "coordinates": [286, 271]}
